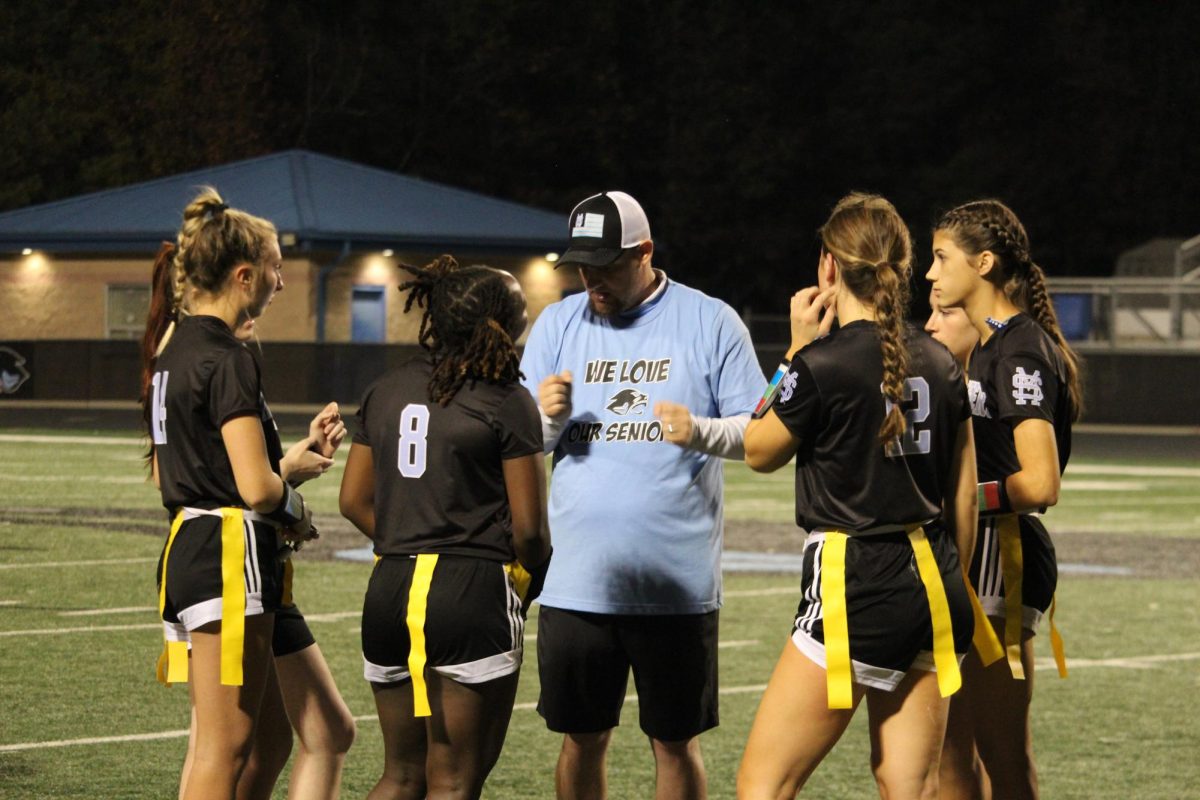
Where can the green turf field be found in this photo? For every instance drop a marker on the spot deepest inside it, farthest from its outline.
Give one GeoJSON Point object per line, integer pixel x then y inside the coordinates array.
{"type": "Point", "coordinates": [81, 714]}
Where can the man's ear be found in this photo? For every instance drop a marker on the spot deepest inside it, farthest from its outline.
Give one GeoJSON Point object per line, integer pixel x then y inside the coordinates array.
{"type": "Point", "coordinates": [646, 250]}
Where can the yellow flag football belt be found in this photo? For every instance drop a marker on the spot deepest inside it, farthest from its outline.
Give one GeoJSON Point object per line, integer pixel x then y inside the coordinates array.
{"type": "Point", "coordinates": [173, 662]}
{"type": "Point", "coordinates": [1012, 568]}
{"type": "Point", "coordinates": [838, 668]}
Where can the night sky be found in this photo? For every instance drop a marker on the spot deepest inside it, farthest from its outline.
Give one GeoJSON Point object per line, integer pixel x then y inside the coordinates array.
{"type": "Point", "coordinates": [737, 125]}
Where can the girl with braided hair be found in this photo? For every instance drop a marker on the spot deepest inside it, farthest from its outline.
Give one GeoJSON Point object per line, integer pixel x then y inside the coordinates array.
{"type": "Point", "coordinates": [216, 457]}
{"type": "Point", "coordinates": [1025, 394]}
{"type": "Point", "coordinates": [446, 476]}
{"type": "Point", "coordinates": [876, 416]}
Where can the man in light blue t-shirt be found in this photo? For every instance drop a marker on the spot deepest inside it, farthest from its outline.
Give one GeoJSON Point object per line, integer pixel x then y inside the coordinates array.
{"type": "Point", "coordinates": [644, 385]}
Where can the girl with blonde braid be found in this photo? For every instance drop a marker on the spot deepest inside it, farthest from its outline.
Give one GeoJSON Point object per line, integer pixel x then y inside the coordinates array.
{"type": "Point", "coordinates": [216, 457]}
{"type": "Point", "coordinates": [1025, 394]}
{"type": "Point", "coordinates": [876, 416]}
{"type": "Point", "coordinates": [446, 476]}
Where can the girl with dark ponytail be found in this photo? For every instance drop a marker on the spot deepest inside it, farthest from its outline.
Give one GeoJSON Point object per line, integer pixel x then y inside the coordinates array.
{"type": "Point", "coordinates": [446, 476]}
{"type": "Point", "coordinates": [1025, 394]}
{"type": "Point", "coordinates": [876, 416]}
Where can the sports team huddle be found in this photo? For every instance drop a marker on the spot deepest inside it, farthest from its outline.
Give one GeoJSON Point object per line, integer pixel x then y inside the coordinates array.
{"type": "Point", "coordinates": [923, 463]}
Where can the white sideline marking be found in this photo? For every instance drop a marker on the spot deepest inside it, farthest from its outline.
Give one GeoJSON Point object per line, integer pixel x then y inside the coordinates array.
{"type": "Point", "coordinates": [1075, 485]}
{"type": "Point", "coordinates": [157, 626]}
{"type": "Point", "coordinates": [90, 563]}
{"type": "Point", "coordinates": [96, 612]}
{"type": "Point", "coordinates": [1141, 472]}
{"type": "Point", "coordinates": [26, 478]}
{"type": "Point", "coordinates": [1134, 662]}
{"type": "Point", "coordinates": [10, 602]}
{"type": "Point", "coordinates": [46, 439]}
{"type": "Point", "coordinates": [763, 592]}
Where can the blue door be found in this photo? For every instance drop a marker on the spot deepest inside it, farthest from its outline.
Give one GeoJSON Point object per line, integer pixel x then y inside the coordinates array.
{"type": "Point", "coordinates": [368, 314]}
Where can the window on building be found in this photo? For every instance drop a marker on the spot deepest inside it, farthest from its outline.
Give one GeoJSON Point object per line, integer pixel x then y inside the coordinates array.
{"type": "Point", "coordinates": [126, 311]}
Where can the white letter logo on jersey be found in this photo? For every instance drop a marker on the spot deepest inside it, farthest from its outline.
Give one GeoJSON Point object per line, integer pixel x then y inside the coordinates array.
{"type": "Point", "coordinates": [627, 401]}
{"type": "Point", "coordinates": [1027, 388]}
{"type": "Point", "coordinates": [978, 399]}
{"type": "Point", "coordinates": [787, 386]}
{"type": "Point", "coordinates": [590, 225]}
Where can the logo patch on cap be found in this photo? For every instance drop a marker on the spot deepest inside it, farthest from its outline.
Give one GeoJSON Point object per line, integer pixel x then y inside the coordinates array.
{"type": "Point", "coordinates": [591, 225]}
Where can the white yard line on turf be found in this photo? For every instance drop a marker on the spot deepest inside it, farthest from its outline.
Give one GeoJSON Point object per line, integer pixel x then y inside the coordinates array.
{"type": "Point", "coordinates": [1132, 471]}
{"type": "Point", "coordinates": [97, 612]}
{"type": "Point", "coordinates": [91, 629]}
{"type": "Point", "coordinates": [1133, 662]}
{"type": "Point", "coordinates": [89, 563]}
{"type": "Point", "coordinates": [22, 438]}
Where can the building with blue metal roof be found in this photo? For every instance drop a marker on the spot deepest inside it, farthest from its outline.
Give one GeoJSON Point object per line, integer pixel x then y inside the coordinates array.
{"type": "Point", "coordinates": [79, 268]}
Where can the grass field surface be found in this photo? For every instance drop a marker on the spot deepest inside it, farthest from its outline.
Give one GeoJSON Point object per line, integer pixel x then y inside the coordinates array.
{"type": "Point", "coordinates": [82, 716]}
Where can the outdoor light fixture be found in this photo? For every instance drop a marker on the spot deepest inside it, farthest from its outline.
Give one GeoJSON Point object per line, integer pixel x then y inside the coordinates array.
{"type": "Point", "coordinates": [287, 239]}
{"type": "Point", "coordinates": [28, 251]}
{"type": "Point", "coordinates": [552, 257]}
{"type": "Point", "coordinates": [388, 253]}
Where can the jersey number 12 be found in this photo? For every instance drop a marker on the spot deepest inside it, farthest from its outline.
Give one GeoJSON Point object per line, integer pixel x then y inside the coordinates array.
{"type": "Point", "coordinates": [414, 428]}
{"type": "Point", "coordinates": [912, 442]}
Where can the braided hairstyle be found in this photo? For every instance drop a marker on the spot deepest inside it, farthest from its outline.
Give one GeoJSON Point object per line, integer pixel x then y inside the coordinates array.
{"type": "Point", "coordinates": [213, 240]}
{"type": "Point", "coordinates": [992, 226]}
{"type": "Point", "coordinates": [873, 249]}
{"type": "Point", "coordinates": [470, 322]}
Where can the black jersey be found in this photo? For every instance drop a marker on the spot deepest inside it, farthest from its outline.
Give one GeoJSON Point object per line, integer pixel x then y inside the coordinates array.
{"type": "Point", "coordinates": [1017, 374]}
{"type": "Point", "coordinates": [204, 378]}
{"type": "Point", "coordinates": [833, 402]}
{"type": "Point", "coordinates": [439, 482]}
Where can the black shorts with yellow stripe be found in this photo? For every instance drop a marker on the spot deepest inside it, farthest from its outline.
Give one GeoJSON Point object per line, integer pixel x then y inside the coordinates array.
{"type": "Point", "coordinates": [199, 560]}
{"type": "Point", "coordinates": [888, 615]}
{"type": "Point", "coordinates": [1039, 567]}
{"type": "Point", "coordinates": [469, 621]}
{"type": "Point", "coordinates": [291, 633]}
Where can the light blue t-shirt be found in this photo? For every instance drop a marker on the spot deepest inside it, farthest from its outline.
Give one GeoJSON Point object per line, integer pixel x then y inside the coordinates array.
{"type": "Point", "coordinates": [637, 521]}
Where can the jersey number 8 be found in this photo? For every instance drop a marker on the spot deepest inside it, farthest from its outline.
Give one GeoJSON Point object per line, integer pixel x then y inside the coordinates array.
{"type": "Point", "coordinates": [912, 442]}
{"type": "Point", "coordinates": [414, 428]}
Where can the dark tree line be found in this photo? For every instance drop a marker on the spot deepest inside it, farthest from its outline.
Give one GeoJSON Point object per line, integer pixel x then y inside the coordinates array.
{"type": "Point", "coordinates": [736, 124]}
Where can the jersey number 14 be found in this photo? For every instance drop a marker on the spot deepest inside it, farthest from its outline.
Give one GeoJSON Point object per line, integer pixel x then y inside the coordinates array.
{"type": "Point", "coordinates": [414, 430]}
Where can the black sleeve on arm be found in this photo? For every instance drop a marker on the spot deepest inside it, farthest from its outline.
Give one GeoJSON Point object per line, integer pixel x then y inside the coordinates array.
{"type": "Point", "coordinates": [235, 388]}
{"type": "Point", "coordinates": [798, 404]}
{"type": "Point", "coordinates": [518, 424]}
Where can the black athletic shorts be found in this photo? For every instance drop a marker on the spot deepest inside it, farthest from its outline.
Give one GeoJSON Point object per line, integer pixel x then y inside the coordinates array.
{"type": "Point", "coordinates": [584, 661]}
{"type": "Point", "coordinates": [291, 634]}
{"type": "Point", "coordinates": [1039, 572]}
{"type": "Point", "coordinates": [194, 584]}
{"type": "Point", "coordinates": [887, 607]}
{"type": "Point", "coordinates": [474, 630]}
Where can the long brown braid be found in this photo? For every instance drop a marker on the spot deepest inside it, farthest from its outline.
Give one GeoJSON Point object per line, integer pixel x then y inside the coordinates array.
{"type": "Point", "coordinates": [469, 312]}
{"type": "Point", "coordinates": [992, 226]}
{"type": "Point", "coordinates": [873, 249]}
{"type": "Point", "coordinates": [160, 317]}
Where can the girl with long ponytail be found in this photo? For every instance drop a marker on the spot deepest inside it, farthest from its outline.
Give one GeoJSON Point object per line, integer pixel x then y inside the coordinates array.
{"type": "Point", "coordinates": [876, 416]}
{"type": "Point", "coordinates": [1025, 395]}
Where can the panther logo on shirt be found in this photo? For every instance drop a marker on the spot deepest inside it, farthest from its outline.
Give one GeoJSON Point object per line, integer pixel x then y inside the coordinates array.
{"type": "Point", "coordinates": [977, 398]}
{"type": "Point", "coordinates": [1027, 389]}
{"type": "Point", "coordinates": [627, 401]}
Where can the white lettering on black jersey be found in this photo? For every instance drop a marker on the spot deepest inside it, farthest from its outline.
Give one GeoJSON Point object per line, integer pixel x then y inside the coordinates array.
{"type": "Point", "coordinates": [158, 407]}
{"type": "Point", "coordinates": [1027, 388]}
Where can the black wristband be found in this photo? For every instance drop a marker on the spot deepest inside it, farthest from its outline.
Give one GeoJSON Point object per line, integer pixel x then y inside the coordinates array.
{"type": "Point", "coordinates": [993, 498]}
{"type": "Point", "coordinates": [290, 509]}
